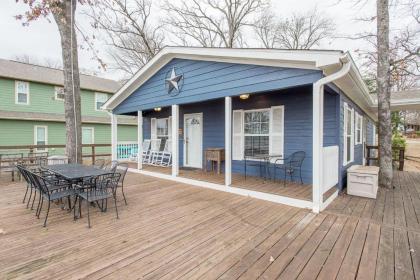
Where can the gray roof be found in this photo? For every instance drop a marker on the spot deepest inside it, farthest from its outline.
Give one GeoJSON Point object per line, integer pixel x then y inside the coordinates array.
{"type": "Point", "coordinates": [35, 73]}
{"type": "Point", "coordinates": [405, 94]}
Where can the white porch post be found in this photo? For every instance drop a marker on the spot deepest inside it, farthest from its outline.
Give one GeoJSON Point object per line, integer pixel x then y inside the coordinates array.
{"type": "Point", "coordinates": [175, 140]}
{"type": "Point", "coordinates": [114, 138]}
{"type": "Point", "coordinates": [139, 140]}
{"type": "Point", "coordinates": [228, 141]}
{"type": "Point", "coordinates": [317, 146]}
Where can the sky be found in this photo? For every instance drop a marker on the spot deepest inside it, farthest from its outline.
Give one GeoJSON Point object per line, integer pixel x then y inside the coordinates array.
{"type": "Point", "coordinates": [40, 40]}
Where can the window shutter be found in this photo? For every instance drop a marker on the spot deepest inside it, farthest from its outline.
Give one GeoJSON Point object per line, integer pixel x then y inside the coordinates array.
{"type": "Point", "coordinates": [169, 127]}
{"type": "Point", "coordinates": [238, 135]}
{"type": "Point", "coordinates": [277, 130]}
{"type": "Point", "coordinates": [153, 125]}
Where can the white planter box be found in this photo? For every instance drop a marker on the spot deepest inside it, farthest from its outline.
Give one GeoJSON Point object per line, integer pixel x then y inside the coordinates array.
{"type": "Point", "coordinates": [362, 180]}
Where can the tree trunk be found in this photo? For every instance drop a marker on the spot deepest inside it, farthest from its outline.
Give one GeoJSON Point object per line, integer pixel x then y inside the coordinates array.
{"type": "Point", "coordinates": [384, 107]}
{"type": "Point", "coordinates": [64, 17]}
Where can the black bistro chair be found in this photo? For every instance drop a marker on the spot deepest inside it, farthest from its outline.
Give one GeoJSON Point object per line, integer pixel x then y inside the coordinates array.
{"type": "Point", "coordinates": [290, 166]}
{"type": "Point", "coordinates": [122, 170]}
{"type": "Point", "coordinates": [101, 188]}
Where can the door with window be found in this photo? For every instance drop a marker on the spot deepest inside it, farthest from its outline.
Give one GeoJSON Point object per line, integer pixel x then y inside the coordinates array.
{"type": "Point", "coordinates": [193, 140]}
{"type": "Point", "coordinates": [41, 136]}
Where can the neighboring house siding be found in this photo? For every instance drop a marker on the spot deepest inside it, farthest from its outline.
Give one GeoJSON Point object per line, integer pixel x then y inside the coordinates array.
{"type": "Point", "coordinates": [297, 123]}
{"type": "Point", "coordinates": [15, 132]}
{"type": "Point", "coordinates": [42, 99]}
{"type": "Point", "coordinates": [204, 80]}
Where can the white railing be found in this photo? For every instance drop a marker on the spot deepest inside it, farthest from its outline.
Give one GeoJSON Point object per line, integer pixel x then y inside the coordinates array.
{"type": "Point", "coordinates": [330, 168]}
{"type": "Point", "coordinates": [126, 149]}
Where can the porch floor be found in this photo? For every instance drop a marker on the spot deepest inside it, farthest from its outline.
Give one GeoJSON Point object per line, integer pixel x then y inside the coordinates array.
{"type": "Point", "coordinates": [172, 230]}
{"type": "Point", "coordinates": [292, 189]}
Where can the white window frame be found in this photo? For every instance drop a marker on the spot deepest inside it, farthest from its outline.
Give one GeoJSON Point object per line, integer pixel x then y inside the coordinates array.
{"type": "Point", "coordinates": [359, 120]}
{"type": "Point", "coordinates": [167, 122]}
{"type": "Point", "coordinates": [247, 134]}
{"type": "Point", "coordinates": [27, 93]}
{"type": "Point", "coordinates": [347, 134]}
{"type": "Point", "coordinates": [96, 100]}
{"type": "Point", "coordinates": [36, 136]}
{"type": "Point", "coordinates": [93, 134]}
{"type": "Point", "coordinates": [56, 93]}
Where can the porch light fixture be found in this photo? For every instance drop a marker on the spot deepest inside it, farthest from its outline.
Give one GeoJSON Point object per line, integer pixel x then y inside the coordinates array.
{"type": "Point", "coordinates": [244, 96]}
{"type": "Point", "coordinates": [158, 109]}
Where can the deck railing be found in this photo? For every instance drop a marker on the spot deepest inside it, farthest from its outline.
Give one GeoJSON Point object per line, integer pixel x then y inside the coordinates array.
{"type": "Point", "coordinates": [372, 154]}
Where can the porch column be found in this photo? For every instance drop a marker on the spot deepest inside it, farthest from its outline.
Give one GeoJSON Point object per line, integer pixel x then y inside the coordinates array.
{"type": "Point", "coordinates": [139, 140]}
{"type": "Point", "coordinates": [114, 138]}
{"type": "Point", "coordinates": [317, 146]}
{"type": "Point", "coordinates": [228, 141]}
{"type": "Point", "coordinates": [175, 140]}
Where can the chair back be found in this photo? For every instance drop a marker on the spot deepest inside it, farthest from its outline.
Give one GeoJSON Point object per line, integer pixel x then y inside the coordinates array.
{"type": "Point", "coordinates": [24, 173]}
{"type": "Point", "coordinates": [112, 167]}
{"type": "Point", "coordinates": [107, 182]}
{"type": "Point", "coordinates": [122, 170]}
{"type": "Point", "coordinates": [146, 145]}
{"type": "Point", "coordinates": [38, 182]}
{"type": "Point", "coordinates": [155, 144]}
{"type": "Point", "coordinates": [168, 146]}
{"type": "Point", "coordinates": [296, 159]}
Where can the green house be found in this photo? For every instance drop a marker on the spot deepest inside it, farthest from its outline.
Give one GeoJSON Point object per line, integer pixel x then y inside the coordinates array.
{"type": "Point", "coordinates": [32, 108]}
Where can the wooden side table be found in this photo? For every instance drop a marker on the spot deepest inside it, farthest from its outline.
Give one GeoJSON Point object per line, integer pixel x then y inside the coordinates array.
{"type": "Point", "coordinates": [215, 156]}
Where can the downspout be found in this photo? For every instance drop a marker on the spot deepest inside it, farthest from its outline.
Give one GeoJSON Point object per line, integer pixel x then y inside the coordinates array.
{"type": "Point", "coordinates": [318, 131]}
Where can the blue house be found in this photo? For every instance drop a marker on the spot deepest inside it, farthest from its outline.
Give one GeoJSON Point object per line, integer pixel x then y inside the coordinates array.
{"type": "Point", "coordinates": [259, 106]}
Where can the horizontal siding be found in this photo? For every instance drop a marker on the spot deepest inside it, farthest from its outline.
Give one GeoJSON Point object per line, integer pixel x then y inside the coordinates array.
{"type": "Point", "coordinates": [204, 80]}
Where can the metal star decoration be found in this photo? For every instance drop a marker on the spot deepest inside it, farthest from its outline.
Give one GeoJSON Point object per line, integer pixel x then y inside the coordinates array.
{"type": "Point", "coordinates": [173, 81]}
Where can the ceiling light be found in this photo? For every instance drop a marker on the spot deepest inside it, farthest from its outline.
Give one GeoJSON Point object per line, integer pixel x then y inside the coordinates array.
{"type": "Point", "coordinates": [158, 109]}
{"type": "Point", "coordinates": [244, 96]}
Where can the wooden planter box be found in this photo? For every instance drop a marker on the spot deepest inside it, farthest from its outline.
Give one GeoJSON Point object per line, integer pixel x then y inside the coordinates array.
{"type": "Point", "coordinates": [362, 180]}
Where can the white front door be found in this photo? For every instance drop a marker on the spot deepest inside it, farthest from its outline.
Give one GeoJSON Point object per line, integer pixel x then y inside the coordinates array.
{"type": "Point", "coordinates": [193, 140]}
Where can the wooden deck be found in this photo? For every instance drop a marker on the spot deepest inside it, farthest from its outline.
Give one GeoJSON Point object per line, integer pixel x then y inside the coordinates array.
{"type": "Point", "coordinates": [176, 231]}
{"type": "Point", "coordinates": [292, 189]}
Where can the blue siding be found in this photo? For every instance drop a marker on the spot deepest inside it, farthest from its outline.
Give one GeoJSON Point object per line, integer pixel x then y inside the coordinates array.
{"type": "Point", "coordinates": [204, 80]}
{"type": "Point", "coordinates": [298, 122]}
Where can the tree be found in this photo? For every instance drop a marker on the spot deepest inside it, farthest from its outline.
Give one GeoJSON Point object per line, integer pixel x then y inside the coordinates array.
{"type": "Point", "coordinates": [133, 40]}
{"type": "Point", "coordinates": [300, 31]}
{"type": "Point", "coordinates": [212, 23]}
{"type": "Point", "coordinates": [384, 94]}
{"type": "Point", "coordinates": [63, 12]}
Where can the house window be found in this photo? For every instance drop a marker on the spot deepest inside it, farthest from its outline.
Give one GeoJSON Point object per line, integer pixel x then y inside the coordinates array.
{"type": "Point", "coordinates": [88, 135]}
{"type": "Point", "coordinates": [22, 93]}
{"type": "Point", "coordinates": [59, 93]}
{"type": "Point", "coordinates": [256, 132]}
{"type": "Point", "coordinates": [162, 128]}
{"type": "Point", "coordinates": [348, 135]}
{"type": "Point", "coordinates": [100, 99]}
{"type": "Point", "coordinates": [40, 136]}
{"type": "Point", "coordinates": [359, 128]}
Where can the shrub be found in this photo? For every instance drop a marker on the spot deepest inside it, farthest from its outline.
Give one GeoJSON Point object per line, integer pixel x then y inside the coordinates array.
{"type": "Point", "coordinates": [398, 140]}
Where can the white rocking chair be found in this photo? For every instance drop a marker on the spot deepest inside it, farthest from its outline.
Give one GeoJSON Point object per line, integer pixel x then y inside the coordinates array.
{"type": "Point", "coordinates": [154, 151]}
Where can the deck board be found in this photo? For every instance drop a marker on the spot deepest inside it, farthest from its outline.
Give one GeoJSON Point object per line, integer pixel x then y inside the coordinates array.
{"type": "Point", "coordinates": [172, 230]}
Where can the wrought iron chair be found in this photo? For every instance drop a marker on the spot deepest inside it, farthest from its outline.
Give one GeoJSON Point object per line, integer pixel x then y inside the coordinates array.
{"type": "Point", "coordinates": [112, 166]}
{"type": "Point", "coordinates": [51, 190]}
{"type": "Point", "coordinates": [102, 188]}
{"type": "Point", "coordinates": [122, 170]}
{"type": "Point", "coordinates": [290, 165]}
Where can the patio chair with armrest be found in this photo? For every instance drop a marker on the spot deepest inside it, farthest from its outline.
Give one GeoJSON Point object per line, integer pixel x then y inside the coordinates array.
{"type": "Point", "coordinates": [102, 188]}
{"type": "Point", "coordinates": [290, 165]}
{"type": "Point", "coordinates": [154, 151]}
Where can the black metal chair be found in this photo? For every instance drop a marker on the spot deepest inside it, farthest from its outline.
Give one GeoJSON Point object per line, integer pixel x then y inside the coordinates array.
{"type": "Point", "coordinates": [122, 170]}
{"type": "Point", "coordinates": [51, 190]}
{"type": "Point", "coordinates": [29, 185]}
{"type": "Point", "coordinates": [290, 165]}
{"type": "Point", "coordinates": [101, 188]}
{"type": "Point", "coordinates": [112, 166]}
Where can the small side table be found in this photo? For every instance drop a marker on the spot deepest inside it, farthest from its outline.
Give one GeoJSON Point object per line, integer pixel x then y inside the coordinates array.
{"type": "Point", "coordinates": [215, 156]}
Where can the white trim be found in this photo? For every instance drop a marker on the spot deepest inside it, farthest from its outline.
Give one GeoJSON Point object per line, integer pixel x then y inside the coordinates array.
{"type": "Point", "coordinates": [185, 140]}
{"type": "Point", "coordinates": [139, 140]}
{"type": "Point", "coordinates": [228, 141]}
{"type": "Point", "coordinates": [167, 122]}
{"type": "Point", "coordinates": [358, 119]}
{"type": "Point", "coordinates": [346, 107]}
{"type": "Point", "coordinates": [56, 93]}
{"type": "Point", "coordinates": [235, 190]}
{"type": "Point", "coordinates": [175, 140]}
{"type": "Point", "coordinates": [27, 93]}
{"type": "Point", "coordinates": [114, 137]}
{"type": "Point", "coordinates": [93, 133]}
{"type": "Point", "coordinates": [272, 133]}
{"type": "Point", "coordinates": [373, 134]}
{"type": "Point", "coordinates": [328, 201]}
{"type": "Point", "coordinates": [96, 99]}
{"type": "Point", "coordinates": [36, 136]}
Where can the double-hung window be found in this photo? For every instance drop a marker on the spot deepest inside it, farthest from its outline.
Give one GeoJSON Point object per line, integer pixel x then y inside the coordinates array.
{"type": "Point", "coordinates": [348, 135]}
{"type": "Point", "coordinates": [256, 132]}
{"type": "Point", "coordinates": [88, 135]}
{"type": "Point", "coordinates": [40, 136]}
{"type": "Point", "coordinates": [100, 99]}
{"type": "Point", "coordinates": [21, 93]}
{"type": "Point", "coordinates": [59, 93]}
{"type": "Point", "coordinates": [162, 128]}
{"type": "Point", "coordinates": [359, 129]}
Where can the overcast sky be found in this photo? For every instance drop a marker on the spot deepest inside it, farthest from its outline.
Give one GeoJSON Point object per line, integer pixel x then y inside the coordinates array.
{"type": "Point", "coordinates": [41, 40]}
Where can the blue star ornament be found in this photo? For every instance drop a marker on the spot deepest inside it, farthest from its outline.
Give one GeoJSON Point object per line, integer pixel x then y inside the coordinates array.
{"type": "Point", "coordinates": [173, 81]}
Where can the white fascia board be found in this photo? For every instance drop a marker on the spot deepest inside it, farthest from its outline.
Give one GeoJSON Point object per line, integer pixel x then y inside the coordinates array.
{"type": "Point", "coordinates": [266, 57]}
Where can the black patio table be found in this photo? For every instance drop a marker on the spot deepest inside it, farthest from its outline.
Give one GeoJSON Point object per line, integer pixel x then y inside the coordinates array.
{"type": "Point", "coordinates": [263, 161]}
{"type": "Point", "coordinates": [75, 172]}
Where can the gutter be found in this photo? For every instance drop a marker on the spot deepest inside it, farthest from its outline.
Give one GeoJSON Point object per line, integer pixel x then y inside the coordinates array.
{"type": "Point", "coordinates": [318, 131]}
